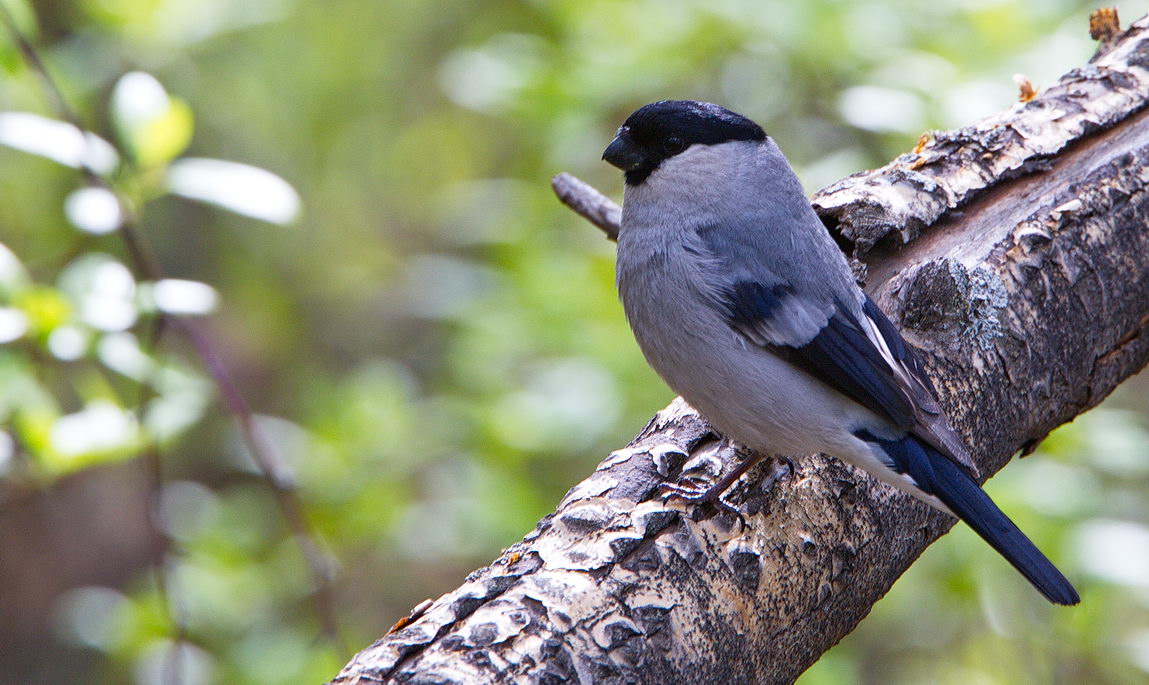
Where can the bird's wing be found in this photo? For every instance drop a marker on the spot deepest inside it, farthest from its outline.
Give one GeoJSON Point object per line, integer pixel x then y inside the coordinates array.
{"type": "Point", "coordinates": [858, 353]}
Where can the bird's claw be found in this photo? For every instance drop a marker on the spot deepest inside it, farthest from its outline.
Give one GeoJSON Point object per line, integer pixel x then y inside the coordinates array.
{"type": "Point", "coordinates": [698, 494]}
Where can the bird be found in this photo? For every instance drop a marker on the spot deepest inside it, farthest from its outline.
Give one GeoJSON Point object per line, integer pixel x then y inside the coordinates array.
{"type": "Point", "coordinates": [742, 302]}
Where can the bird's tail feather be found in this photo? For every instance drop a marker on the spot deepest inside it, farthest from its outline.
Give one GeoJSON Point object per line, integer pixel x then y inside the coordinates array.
{"type": "Point", "coordinates": [956, 489]}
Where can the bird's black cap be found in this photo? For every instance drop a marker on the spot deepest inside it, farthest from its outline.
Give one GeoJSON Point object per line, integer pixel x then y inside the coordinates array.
{"type": "Point", "coordinates": [660, 130]}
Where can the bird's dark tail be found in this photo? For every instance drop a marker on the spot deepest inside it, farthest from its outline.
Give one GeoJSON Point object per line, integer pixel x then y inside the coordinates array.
{"type": "Point", "coordinates": [950, 483]}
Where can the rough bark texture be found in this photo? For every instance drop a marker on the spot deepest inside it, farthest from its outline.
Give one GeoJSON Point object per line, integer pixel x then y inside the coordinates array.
{"type": "Point", "coordinates": [1015, 255]}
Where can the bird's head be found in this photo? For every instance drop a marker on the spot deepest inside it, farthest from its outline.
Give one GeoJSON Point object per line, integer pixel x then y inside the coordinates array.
{"type": "Point", "coordinates": [665, 129]}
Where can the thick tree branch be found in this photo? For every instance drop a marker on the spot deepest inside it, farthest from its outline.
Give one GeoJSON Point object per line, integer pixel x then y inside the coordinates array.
{"type": "Point", "coordinates": [1015, 256]}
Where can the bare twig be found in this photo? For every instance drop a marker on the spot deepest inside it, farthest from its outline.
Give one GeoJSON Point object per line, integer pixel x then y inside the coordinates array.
{"type": "Point", "coordinates": [275, 473]}
{"type": "Point", "coordinates": [278, 476]}
{"type": "Point", "coordinates": [161, 546]}
{"type": "Point", "coordinates": [588, 203]}
{"type": "Point", "coordinates": [32, 57]}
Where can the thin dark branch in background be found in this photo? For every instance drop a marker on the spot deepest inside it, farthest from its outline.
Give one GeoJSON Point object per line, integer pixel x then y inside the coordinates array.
{"type": "Point", "coordinates": [160, 547]}
{"type": "Point", "coordinates": [278, 476]}
{"type": "Point", "coordinates": [272, 468]}
{"type": "Point", "coordinates": [59, 102]}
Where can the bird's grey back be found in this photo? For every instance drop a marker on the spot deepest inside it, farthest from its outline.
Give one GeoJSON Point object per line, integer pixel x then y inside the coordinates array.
{"type": "Point", "coordinates": [740, 200]}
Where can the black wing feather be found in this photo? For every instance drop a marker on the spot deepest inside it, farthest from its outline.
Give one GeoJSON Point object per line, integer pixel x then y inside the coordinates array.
{"type": "Point", "coordinates": [844, 357]}
{"type": "Point", "coordinates": [840, 355]}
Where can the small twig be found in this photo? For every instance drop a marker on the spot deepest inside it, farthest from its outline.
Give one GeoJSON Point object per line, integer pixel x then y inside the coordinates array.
{"type": "Point", "coordinates": [278, 476]}
{"type": "Point", "coordinates": [59, 102]}
{"type": "Point", "coordinates": [588, 203]}
{"type": "Point", "coordinates": [161, 542]}
{"type": "Point", "coordinates": [271, 467]}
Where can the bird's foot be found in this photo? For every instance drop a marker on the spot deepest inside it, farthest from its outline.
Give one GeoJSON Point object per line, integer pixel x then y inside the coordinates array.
{"type": "Point", "coordinates": [698, 494]}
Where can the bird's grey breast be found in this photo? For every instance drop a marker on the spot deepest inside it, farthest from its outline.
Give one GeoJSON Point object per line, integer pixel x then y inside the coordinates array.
{"type": "Point", "coordinates": [660, 291]}
{"type": "Point", "coordinates": [667, 296]}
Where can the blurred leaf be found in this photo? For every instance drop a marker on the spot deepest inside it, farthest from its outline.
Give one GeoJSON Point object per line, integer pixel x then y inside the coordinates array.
{"type": "Point", "coordinates": [103, 290]}
{"type": "Point", "coordinates": [178, 296]}
{"type": "Point", "coordinates": [882, 109]}
{"type": "Point", "coordinates": [240, 188]}
{"type": "Point", "coordinates": [488, 78]}
{"type": "Point", "coordinates": [69, 342]}
{"type": "Point", "coordinates": [99, 433]}
{"type": "Point", "coordinates": [1117, 551]}
{"type": "Point", "coordinates": [123, 11]}
{"type": "Point", "coordinates": [13, 275]}
{"type": "Point", "coordinates": [93, 210]}
{"type": "Point", "coordinates": [87, 615]}
{"type": "Point", "coordinates": [13, 324]}
{"type": "Point", "coordinates": [156, 127]}
{"type": "Point", "coordinates": [24, 403]}
{"type": "Point", "coordinates": [46, 309]}
{"type": "Point", "coordinates": [56, 140]}
{"type": "Point", "coordinates": [121, 353]}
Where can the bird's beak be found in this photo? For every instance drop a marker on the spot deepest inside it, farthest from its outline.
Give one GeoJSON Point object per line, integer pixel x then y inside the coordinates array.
{"type": "Point", "coordinates": [622, 152]}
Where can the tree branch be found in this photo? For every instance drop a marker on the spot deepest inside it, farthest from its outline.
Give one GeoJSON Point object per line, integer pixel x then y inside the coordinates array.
{"type": "Point", "coordinates": [1014, 255]}
{"type": "Point", "coordinates": [588, 203]}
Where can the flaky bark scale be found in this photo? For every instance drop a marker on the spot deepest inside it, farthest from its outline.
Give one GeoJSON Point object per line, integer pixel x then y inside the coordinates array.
{"type": "Point", "coordinates": [1013, 253]}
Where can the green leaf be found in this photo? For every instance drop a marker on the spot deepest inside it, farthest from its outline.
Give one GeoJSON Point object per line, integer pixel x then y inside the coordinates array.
{"type": "Point", "coordinates": [165, 137]}
{"type": "Point", "coordinates": [156, 127]}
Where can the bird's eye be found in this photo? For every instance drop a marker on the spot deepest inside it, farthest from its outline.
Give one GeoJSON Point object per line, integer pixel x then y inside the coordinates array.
{"type": "Point", "coordinates": [673, 145]}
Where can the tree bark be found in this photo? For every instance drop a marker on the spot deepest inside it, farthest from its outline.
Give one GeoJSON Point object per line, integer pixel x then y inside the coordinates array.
{"type": "Point", "coordinates": [1014, 254]}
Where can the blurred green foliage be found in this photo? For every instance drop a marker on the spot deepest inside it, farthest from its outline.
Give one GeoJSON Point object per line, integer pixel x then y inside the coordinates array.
{"type": "Point", "coordinates": [432, 343]}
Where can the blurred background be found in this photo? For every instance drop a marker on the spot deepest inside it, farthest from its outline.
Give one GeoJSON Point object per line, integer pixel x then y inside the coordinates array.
{"type": "Point", "coordinates": [350, 198]}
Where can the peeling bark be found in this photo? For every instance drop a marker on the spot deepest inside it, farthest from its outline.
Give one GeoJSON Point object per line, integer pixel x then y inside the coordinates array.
{"type": "Point", "coordinates": [1015, 255]}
